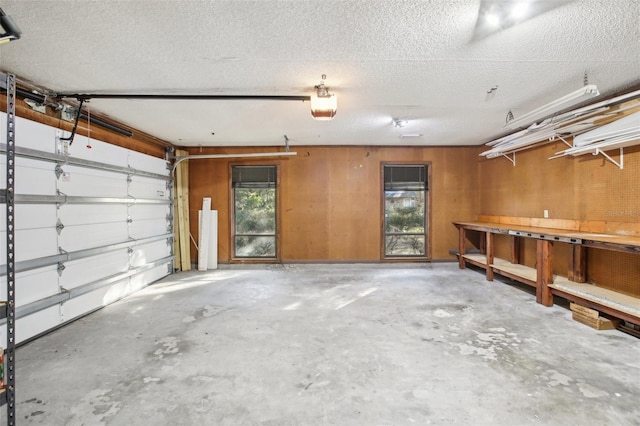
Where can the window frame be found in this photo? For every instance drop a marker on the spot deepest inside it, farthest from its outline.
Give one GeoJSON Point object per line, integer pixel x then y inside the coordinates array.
{"type": "Point", "coordinates": [233, 258]}
{"type": "Point", "coordinates": [427, 216]}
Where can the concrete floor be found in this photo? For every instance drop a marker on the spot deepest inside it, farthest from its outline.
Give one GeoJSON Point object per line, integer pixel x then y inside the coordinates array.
{"type": "Point", "coordinates": [330, 345]}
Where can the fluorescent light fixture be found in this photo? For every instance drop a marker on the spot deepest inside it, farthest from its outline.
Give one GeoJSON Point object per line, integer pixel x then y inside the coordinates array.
{"type": "Point", "coordinates": [520, 143]}
{"type": "Point", "coordinates": [411, 135]}
{"type": "Point", "coordinates": [508, 138]}
{"type": "Point", "coordinates": [323, 104]}
{"type": "Point", "coordinates": [573, 98]}
{"type": "Point", "coordinates": [607, 145]}
{"type": "Point", "coordinates": [625, 126]}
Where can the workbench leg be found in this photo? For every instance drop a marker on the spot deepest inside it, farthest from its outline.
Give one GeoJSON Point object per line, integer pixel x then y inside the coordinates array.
{"type": "Point", "coordinates": [489, 248]}
{"type": "Point", "coordinates": [462, 238]}
{"type": "Point", "coordinates": [544, 268]}
{"type": "Point", "coordinates": [515, 249]}
{"type": "Point", "coordinates": [578, 264]}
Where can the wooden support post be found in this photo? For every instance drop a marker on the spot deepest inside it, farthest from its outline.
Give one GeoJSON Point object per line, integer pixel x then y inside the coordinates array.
{"type": "Point", "coordinates": [462, 238]}
{"type": "Point", "coordinates": [182, 196]}
{"type": "Point", "coordinates": [578, 264]}
{"type": "Point", "coordinates": [483, 245]}
{"type": "Point", "coordinates": [489, 249]}
{"type": "Point", "coordinates": [515, 249]}
{"type": "Point", "coordinates": [544, 267]}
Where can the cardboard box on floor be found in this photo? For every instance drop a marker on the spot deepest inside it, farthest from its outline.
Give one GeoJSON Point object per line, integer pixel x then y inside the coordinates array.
{"type": "Point", "coordinates": [592, 318]}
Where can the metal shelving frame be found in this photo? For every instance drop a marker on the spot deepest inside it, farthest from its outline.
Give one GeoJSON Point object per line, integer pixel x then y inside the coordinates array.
{"type": "Point", "coordinates": [8, 82]}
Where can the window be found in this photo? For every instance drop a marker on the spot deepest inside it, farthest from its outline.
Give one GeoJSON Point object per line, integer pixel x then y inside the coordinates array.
{"type": "Point", "coordinates": [405, 210]}
{"type": "Point", "coordinates": [254, 202]}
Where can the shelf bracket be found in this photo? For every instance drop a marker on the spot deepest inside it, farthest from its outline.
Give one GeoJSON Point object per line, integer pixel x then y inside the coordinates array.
{"type": "Point", "coordinates": [513, 160]}
{"type": "Point", "coordinates": [605, 155]}
{"type": "Point", "coordinates": [563, 140]}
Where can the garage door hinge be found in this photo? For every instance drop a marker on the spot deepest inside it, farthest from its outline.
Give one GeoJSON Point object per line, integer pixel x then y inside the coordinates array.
{"type": "Point", "coordinates": [61, 268]}
{"type": "Point", "coordinates": [129, 220]}
{"type": "Point", "coordinates": [130, 251]}
{"type": "Point", "coordinates": [59, 171]}
{"type": "Point", "coordinates": [59, 226]}
{"type": "Point", "coordinates": [169, 217]}
{"type": "Point", "coordinates": [129, 179]}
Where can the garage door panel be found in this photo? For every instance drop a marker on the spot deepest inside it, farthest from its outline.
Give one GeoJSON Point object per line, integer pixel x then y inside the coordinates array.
{"type": "Point", "coordinates": [82, 237]}
{"type": "Point", "coordinates": [32, 176]}
{"type": "Point", "coordinates": [140, 161]}
{"type": "Point", "coordinates": [152, 275]}
{"type": "Point", "coordinates": [149, 211]}
{"type": "Point", "coordinates": [96, 299]}
{"type": "Point", "coordinates": [85, 214]}
{"type": "Point", "coordinates": [148, 228]}
{"type": "Point", "coordinates": [92, 183]}
{"type": "Point", "coordinates": [141, 187]}
{"type": "Point", "coordinates": [32, 285]}
{"type": "Point", "coordinates": [84, 271]}
{"type": "Point", "coordinates": [147, 253]}
{"type": "Point", "coordinates": [34, 324]}
{"type": "Point", "coordinates": [88, 223]}
{"type": "Point", "coordinates": [31, 216]}
{"type": "Point", "coordinates": [32, 135]}
{"type": "Point", "coordinates": [100, 151]}
{"type": "Point", "coordinates": [31, 244]}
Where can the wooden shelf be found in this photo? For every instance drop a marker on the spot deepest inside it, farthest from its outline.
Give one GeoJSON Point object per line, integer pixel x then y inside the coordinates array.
{"type": "Point", "coordinates": [476, 259]}
{"type": "Point", "coordinates": [515, 271]}
{"type": "Point", "coordinates": [541, 277]}
{"type": "Point", "coordinates": [599, 298]}
{"type": "Point", "coordinates": [521, 273]}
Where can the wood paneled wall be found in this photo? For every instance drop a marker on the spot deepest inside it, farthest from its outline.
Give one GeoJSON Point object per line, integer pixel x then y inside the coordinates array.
{"type": "Point", "coordinates": [585, 188]}
{"type": "Point", "coordinates": [330, 201]}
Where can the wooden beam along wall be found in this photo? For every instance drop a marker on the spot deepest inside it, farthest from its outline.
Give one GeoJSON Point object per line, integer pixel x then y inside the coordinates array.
{"type": "Point", "coordinates": [182, 216]}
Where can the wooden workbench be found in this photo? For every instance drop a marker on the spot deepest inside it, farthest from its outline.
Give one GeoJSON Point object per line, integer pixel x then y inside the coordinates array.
{"type": "Point", "coordinates": [572, 287]}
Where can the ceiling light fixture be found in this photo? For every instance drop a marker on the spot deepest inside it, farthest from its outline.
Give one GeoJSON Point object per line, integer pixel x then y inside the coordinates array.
{"type": "Point", "coordinates": [493, 19]}
{"type": "Point", "coordinates": [323, 104]}
{"type": "Point", "coordinates": [519, 10]}
{"type": "Point", "coordinates": [501, 13]}
{"type": "Point", "coordinates": [573, 98]}
{"type": "Point", "coordinates": [10, 30]}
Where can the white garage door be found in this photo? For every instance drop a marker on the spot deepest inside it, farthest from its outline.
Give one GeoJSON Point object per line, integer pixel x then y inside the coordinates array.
{"type": "Point", "coordinates": [92, 225]}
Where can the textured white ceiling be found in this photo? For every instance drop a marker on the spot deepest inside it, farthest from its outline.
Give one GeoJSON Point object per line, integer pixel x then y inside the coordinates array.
{"type": "Point", "coordinates": [425, 61]}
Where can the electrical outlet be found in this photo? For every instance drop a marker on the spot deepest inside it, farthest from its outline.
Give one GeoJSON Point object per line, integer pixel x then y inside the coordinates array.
{"type": "Point", "coordinates": [546, 214]}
